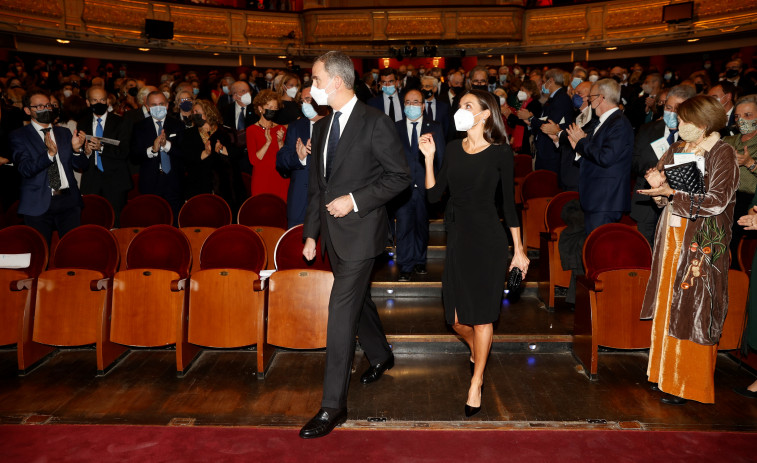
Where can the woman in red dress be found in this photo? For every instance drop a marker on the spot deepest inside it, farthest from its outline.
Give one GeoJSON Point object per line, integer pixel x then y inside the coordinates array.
{"type": "Point", "coordinates": [264, 139]}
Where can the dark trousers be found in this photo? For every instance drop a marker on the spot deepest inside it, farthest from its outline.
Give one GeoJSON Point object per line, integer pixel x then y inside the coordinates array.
{"type": "Point", "coordinates": [594, 220]}
{"type": "Point", "coordinates": [60, 216]}
{"type": "Point", "coordinates": [351, 312]}
{"type": "Point", "coordinates": [412, 231]}
{"type": "Point", "coordinates": [115, 195]}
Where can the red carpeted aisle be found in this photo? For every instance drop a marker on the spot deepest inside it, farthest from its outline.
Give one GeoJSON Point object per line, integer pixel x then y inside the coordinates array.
{"type": "Point", "coordinates": [143, 444]}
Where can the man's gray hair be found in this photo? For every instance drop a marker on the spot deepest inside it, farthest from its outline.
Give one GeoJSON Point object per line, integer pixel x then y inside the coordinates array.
{"type": "Point", "coordinates": [431, 79]}
{"type": "Point", "coordinates": [609, 89]}
{"type": "Point", "coordinates": [142, 94]}
{"type": "Point", "coordinates": [683, 92]}
{"type": "Point", "coordinates": [557, 75]}
{"type": "Point", "coordinates": [337, 63]}
{"type": "Point", "coordinates": [747, 99]}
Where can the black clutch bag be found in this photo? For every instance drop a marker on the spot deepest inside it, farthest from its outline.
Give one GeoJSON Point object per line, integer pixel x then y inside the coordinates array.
{"type": "Point", "coordinates": [514, 279]}
{"type": "Point", "coordinates": [686, 178]}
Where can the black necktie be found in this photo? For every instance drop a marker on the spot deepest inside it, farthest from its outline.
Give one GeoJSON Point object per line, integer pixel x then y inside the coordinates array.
{"type": "Point", "coordinates": [429, 111]}
{"type": "Point", "coordinates": [332, 144]}
{"type": "Point", "coordinates": [53, 174]}
{"type": "Point", "coordinates": [391, 108]}
{"type": "Point", "coordinates": [414, 139]}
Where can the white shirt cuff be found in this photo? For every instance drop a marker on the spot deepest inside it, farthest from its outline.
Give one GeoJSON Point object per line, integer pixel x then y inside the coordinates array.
{"type": "Point", "coordinates": [51, 158]}
{"type": "Point", "coordinates": [150, 154]}
{"type": "Point", "coordinates": [167, 146]}
{"type": "Point", "coordinates": [354, 204]}
{"type": "Point", "coordinates": [304, 162]}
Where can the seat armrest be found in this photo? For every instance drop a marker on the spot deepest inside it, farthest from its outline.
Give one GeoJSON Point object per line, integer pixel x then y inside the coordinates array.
{"type": "Point", "coordinates": [260, 285]}
{"type": "Point", "coordinates": [588, 283]}
{"type": "Point", "coordinates": [20, 285]}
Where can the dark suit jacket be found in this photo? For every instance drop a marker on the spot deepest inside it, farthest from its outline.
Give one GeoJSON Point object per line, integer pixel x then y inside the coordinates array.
{"type": "Point", "coordinates": [604, 181]}
{"type": "Point", "coordinates": [114, 158]}
{"type": "Point", "coordinates": [643, 160]}
{"type": "Point", "coordinates": [369, 163]}
{"type": "Point", "coordinates": [558, 109]}
{"type": "Point", "coordinates": [150, 175]}
{"type": "Point", "coordinates": [30, 157]}
{"type": "Point", "coordinates": [230, 121]}
{"type": "Point", "coordinates": [289, 166]}
{"type": "Point", "coordinates": [378, 103]}
{"type": "Point", "coordinates": [415, 160]}
{"type": "Point", "coordinates": [570, 168]}
{"type": "Point", "coordinates": [441, 116]}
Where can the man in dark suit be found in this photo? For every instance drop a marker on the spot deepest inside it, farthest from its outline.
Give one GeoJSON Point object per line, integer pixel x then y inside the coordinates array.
{"type": "Point", "coordinates": [46, 157]}
{"type": "Point", "coordinates": [108, 172]}
{"type": "Point", "coordinates": [651, 142]}
{"type": "Point", "coordinates": [606, 153]}
{"type": "Point", "coordinates": [434, 110]}
{"type": "Point", "coordinates": [558, 109]}
{"type": "Point", "coordinates": [293, 159]}
{"type": "Point", "coordinates": [156, 144]}
{"type": "Point", "coordinates": [239, 116]}
{"type": "Point", "coordinates": [11, 118]}
{"type": "Point", "coordinates": [727, 95]}
{"type": "Point", "coordinates": [411, 213]}
{"type": "Point", "coordinates": [358, 166]}
{"type": "Point", "coordinates": [389, 102]}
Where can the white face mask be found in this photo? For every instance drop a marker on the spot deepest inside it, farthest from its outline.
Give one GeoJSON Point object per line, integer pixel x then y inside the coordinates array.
{"type": "Point", "coordinates": [593, 78]}
{"type": "Point", "coordinates": [67, 93]}
{"type": "Point", "coordinates": [522, 96]}
{"type": "Point", "coordinates": [501, 100]}
{"type": "Point", "coordinates": [292, 92]}
{"type": "Point", "coordinates": [465, 120]}
{"type": "Point", "coordinates": [245, 99]}
{"type": "Point", "coordinates": [319, 94]}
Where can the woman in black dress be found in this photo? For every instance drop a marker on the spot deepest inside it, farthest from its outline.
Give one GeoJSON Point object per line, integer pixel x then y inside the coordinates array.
{"type": "Point", "coordinates": [211, 157]}
{"type": "Point", "coordinates": [477, 247]}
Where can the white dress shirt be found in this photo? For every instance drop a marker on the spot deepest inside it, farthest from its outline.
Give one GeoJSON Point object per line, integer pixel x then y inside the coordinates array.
{"type": "Point", "coordinates": [167, 147]}
{"type": "Point", "coordinates": [94, 128]}
{"type": "Point", "coordinates": [396, 103]}
{"type": "Point", "coordinates": [433, 107]}
{"type": "Point", "coordinates": [56, 159]}
{"type": "Point", "coordinates": [345, 113]}
{"type": "Point", "coordinates": [418, 128]}
{"type": "Point", "coordinates": [237, 110]}
{"type": "Point", "coordinates": [304, 162]}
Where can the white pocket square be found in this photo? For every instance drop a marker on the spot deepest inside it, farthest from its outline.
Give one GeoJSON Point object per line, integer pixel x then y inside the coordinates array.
{"type": "Point", "coordinates": [172, 135]}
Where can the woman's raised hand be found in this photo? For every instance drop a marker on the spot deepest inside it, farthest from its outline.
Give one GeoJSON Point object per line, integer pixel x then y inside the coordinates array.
{"type": "Point", "coordinates": [427, 146]}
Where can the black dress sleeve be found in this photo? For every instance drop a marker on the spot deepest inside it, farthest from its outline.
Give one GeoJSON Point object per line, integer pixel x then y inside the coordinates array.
{"type": "Point", "coordinates": [506, 173]}
{"type": "Point", "coordinates": [434, 194]}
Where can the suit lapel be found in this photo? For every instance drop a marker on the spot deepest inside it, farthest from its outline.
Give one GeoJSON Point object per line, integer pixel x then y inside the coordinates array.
{"type": "Point", "coordinates": [318, 146]}
{"type": "Point", "coordinates": [351, 132]}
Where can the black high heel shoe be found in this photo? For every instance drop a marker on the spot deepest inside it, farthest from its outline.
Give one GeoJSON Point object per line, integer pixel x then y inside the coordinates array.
{"type": "Point", "coordinates": [470, 411]}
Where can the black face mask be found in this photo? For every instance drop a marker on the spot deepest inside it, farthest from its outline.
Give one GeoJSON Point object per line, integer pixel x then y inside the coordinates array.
{"type": "Point", "coordinates": [44, 117]}
{"type": "Point", "coordinates": [616, 79]}
{"type": "Point", "coordinates": [427, 94]}
{"type": "Point", "coordinates": [269, 114]}
{"type": "Point", "coordinates": [133, 91]}
{"type": "Point", "coordinates": [731, 73]}
{"type": "Point", "coordinates": [483, 88]}
{"type": "Point", "coordinates": [458, 89]}
{"type": "Point", "coordinates": [492, 79]}
{"type": "Point", "coordinates": [99, 108]}
{"type": "Point", "coordinates": [198, 120]}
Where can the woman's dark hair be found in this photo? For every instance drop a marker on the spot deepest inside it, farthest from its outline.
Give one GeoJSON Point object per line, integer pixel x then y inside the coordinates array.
{"type": "Point", "coordinates": [494, 128]}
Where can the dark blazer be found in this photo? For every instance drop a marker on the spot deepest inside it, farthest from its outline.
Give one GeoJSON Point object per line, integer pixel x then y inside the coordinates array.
{"type": "Point", "coordinates": [604, 181]}
{"type": "Point", "coordinates": [569, 175]}
{"type": "Point", "coordinates": [114, 158]}
{"type": "Point", "coordinates": [230, 121]}
{"type": "Point", "coordinates": [415, 160]}
{"type": "Point", "coordinates": [30, 157]}
{"type": "Point", "coordinates": [378, 103]}
{"type": "Point", "coordinates": [150, 176]}
{"type": "Point", "coordinates": [441, 115]}
{"type": "Point", "coordinates": [369, 163]}
{"type": "Point", "coordinates": [289, 166]}
{"type": "Point", "coordinates": [643, 160]}
{"type": "Point", "coordinates": [558, 109]}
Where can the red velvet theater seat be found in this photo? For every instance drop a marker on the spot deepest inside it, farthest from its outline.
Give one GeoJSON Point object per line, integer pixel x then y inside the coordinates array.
{"type": "Point", "coordinates": [263, 210]}
{"type": "Point", "coordinates": [539, 187]}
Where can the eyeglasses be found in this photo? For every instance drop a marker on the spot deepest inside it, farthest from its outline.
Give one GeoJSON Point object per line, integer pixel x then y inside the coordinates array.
{"type": "Point", "coordinates": [591, 97]}
{"type": "Point", "coordinates": [40, 107]}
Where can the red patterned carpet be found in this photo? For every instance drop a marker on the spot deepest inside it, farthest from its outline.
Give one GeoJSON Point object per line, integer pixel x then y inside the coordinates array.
{"type": "Point", "coordinates": [103, 443]}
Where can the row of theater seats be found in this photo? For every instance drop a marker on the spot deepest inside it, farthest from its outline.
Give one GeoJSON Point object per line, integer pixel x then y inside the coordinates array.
{"type": "Point", "coordinates": [617, 262]}
{"type": "Point", "coordinates": [154, 300]}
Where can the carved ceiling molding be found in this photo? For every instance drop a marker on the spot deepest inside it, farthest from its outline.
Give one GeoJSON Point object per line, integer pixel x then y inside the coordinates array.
{"type": "Point", "coordinates": [501, 25]}
{"type": "Point", "coordinates": [415, 25]}
{"type": "Point", "coordinates": [125, 15]}
{"type": "Point", "coordinates": [52, 8]}
{"type": "Point", "coordinates": [343, 27]}
{"type": "Point", "coordinates": [273, 28]}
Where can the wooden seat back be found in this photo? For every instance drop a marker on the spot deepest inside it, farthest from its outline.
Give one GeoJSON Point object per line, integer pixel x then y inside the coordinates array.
{"type": "Point", "coordinates": [298, 308]}
{"type": "Point", "coordinates": [538, 189]}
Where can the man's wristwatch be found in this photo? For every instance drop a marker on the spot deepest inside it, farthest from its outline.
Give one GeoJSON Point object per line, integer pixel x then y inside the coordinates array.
{"type": "Point", "coordinates": [752, 167]}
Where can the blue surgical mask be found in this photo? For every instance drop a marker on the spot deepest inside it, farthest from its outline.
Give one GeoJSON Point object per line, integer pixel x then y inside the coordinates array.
{"type": "Point", "coordinates": [308, 110]}
{"type": "Point", "coordinates": [185, 106]}
{"type": "Point", "coordinates": [503, 78]}
{"type": "Point", "coordinates": [196, 91]}
{"type": "Point", "coordinates": [577, 101]}
{"type": "Point", "coordinates": [413, 112]}
{"type": "Point", "coordinates": [671, 119]}
{"type": "Point", "coordinates": [375, 75]}
{"type": "Point", "coordinates": [226, 89]}
{"type": "Point", "coordinates": [576, 82]}
{"type": "Point", "coordinates": [544, 89]}
{"type": "Point", "coordinates": [389, 90]}
{"type": "Point", "coordinates": [158, 112]}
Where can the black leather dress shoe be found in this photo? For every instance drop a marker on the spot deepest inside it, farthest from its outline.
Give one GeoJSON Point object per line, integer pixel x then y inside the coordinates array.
{"type": "Point", "coordinates": [404, 276]}
{"type": "Point", "coordinates": [374, 372]}
{"type": "Point", "coordinates": [420, 269]}
{"type": "Point", "coordinates": [654, 387]}
{"type": "Point", "coordinates": [671, 399]}
{"type": "Point", "coordinates": [323, 423]}
{"type": "Point", "coordinates": [745, 392]}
